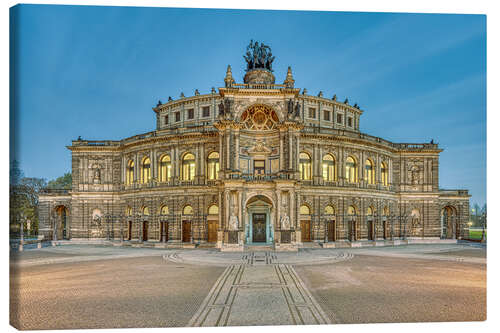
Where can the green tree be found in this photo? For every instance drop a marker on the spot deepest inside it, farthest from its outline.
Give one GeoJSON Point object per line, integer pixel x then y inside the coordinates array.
{"type": "Point", "coordinates": [63, 182]}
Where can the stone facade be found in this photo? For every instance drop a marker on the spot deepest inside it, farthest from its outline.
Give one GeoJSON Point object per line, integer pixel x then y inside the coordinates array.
{"type": "Point", "coordinates": [255, 163]}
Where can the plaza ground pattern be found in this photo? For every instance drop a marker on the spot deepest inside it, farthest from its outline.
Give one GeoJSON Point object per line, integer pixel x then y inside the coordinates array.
{"type": "Point", "coordinates": [82, 286]}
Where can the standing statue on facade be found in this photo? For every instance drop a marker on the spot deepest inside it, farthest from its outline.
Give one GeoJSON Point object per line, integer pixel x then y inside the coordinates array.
{"type": "Point", "coordinates": [297, 110]}
{"type": "Point", "coordinates": [233, 222]}
{"type": "Point", "coordinates": [285, 222]}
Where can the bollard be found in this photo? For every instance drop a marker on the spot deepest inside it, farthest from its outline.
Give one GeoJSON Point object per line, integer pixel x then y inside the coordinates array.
{"type": "Point", "coordinates": [39, 245]}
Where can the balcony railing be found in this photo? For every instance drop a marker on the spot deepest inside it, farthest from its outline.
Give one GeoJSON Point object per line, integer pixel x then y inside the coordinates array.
{"type": "Point", "coordinates": [258, 86]}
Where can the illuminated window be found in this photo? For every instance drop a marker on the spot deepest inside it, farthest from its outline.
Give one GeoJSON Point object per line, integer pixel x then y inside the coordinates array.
{"type": "Point", "coordinates": [213, 210]}
{"type": "Point", "coordinates": [213, 165]}
{"type": "Point", "coordinates": [128, 211]}
{"type": "Point", "coordinates": [188, 210]}
{"type": "Point", "coordinates": [384, 172]}
{"type": "Point", "coordinates": [304, 210]}
{"type": "Point", "coordinates": [165, 168]}
{"type": "Point", "coordinates": [369, 174]}
{"type": "Point", "coordinates": [305, 166]}
{"type": "Point", "coordinates": [146, 170]}
{"type": "Point", "coordinates": [369, 211]}
{"type": "Point", "coordinates": [328, 168]}
{"type": "Point", "coordinates": [188, 167]}
{"type": "Point", "coordinates": [351, 170]}
{"type": "Point", "coordinates": [145, 211]}
{"type": "Point", "coordinates": [164, 210]}
{"type": "Point", "coordinates": [130, 172]}
{"type": "Point", "coordinates": [387, 212]}
{"type": "Point", "coordinates": [329, 210]}
{"type": "Point", "coordinates": [351, 210]}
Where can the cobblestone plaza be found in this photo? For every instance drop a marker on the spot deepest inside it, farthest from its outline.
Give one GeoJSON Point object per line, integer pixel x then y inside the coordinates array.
{"type": "Point", "coordinates": [84, 286]}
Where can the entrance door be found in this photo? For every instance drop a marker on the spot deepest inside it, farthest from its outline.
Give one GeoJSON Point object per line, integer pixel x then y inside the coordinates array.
{"type": "Point", "coordinates": [145, 231]}
{"type": "Point", "coordinates": [306, 230]}
{"type": "Point", "coordinates": [370, 230]}
{"type": "Point", "coordinates": [259, 228]}
{"type": "Point", "coordinates": [129, 236]}
{"type": "Point", "coordinates": [186, 231]}
{"type": "Point", "coordinates": [331, 231]}
{"type": "Point", "coordinates": [385, 228]}
{"type": "Point", "coordinates": [164, 232]}
{"type": "Point", "coordinates": [352, 230]}
{"type": "Point", "coordinates": [212, 232]}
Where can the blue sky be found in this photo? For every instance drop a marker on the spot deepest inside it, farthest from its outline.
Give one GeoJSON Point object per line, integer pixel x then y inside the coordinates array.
{"type": "Point", "coordinates": [97, 71]}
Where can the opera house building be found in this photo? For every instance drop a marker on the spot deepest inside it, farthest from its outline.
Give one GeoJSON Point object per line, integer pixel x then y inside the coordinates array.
{"type": "Point", "coordinates": [257, 163]}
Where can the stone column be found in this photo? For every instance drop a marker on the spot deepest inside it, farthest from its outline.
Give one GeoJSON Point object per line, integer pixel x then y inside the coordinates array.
{"type": "Point", "coordinates": [202, 164]}
{"type": "Point", "coordinates": [240, 224]}
{"type": "Point", "coordinates": [221, 151]}
{"type": "Point", "coordinates": [278, 209]}
{"type": "Point", "coordinates": [153, 163]}
{"type": "Point", "coordinates": [281, 167]}
{"type": "Point", "coordinates": [137, 167]}
{"type": "Point", "coordinates": [173, 163]}
{"type": "Point", "coordinates": [237, 149]}
{"type": "Point", "coordinates": [297, 150]}
{"type": "Point", "coordinates": [124, 168]}
{"type": "Point", "coordinates": [228, 149]}
{"type": "Point", "coordinates": [290, 148]}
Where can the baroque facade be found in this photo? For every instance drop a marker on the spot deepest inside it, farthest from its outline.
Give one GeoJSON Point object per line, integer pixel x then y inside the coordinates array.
{"type": "Point", "coordinates": [255, 163]}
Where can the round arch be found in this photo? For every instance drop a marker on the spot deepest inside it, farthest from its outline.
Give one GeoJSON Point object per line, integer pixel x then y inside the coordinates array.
{"type": "Point", "coordinates": [259, 117]}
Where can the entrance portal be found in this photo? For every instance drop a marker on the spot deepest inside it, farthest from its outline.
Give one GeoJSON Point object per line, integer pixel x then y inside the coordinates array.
{"type": "Point", "coordinates": [212, 232]}
{"type": "Point", "coordinates": [305, 226]}
{"type": "Point", "coordinates": [259, 228]}
{"type": "Point", "coordinates": [186, 231]}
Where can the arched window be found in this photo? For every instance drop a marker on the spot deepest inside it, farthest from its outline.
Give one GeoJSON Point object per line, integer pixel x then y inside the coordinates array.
{"type": "Point", "coordinates": [329, 210]}
{"type": "Point", "coordinates": [351, 170]}
{"type": "Point", "coordinates": [369, 211]}
{"type": "Point", "coordinates": [188, 210]}
{"type": "Point", "coordinates": [384, 173]}
{"type": "Point", "coordinates": [145, 211]}
{"type": "Point", "coordinates": [305, 166]}
{"type": "Point", "coordinates": [304, 210]}
{"type": "Point", "coordinates": [369, 174]}
{"type": "Point", "coordinates": [188, 167]}
{"type": "Point", "coordinates": [146, 170]}
{"type": "Point", "coordinates": [387, 212]}
{"type": "Point", "coordinates": [213, 165]}
{"type": "Point", "coordinates": [213, 210]}
{"type": "Point", "coordinates": [164, 210]}
{"type": "Point", "coordinates": [165, 168]}
{"type": "Point", "coordinates": [128, 211]}
{"type": "Point", "coordinates": [328, 168]}
{"type": "Point", "coordinates": [130, 172]}
{"type": "Point", "coordinates": [351, 210]}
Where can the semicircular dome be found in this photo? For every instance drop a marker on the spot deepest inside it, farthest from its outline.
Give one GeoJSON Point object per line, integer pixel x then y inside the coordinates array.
{"type": "Point", "coordinates": [259, 117]}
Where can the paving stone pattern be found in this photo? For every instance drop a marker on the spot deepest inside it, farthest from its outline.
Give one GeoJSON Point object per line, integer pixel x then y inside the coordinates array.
{"type": "Point", "coordinates": [259, 292]}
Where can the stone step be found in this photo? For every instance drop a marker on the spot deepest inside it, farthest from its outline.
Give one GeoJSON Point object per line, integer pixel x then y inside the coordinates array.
{"type": "Point", "coordinates": [259, 248]}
